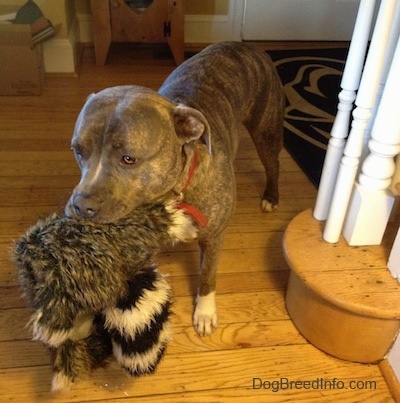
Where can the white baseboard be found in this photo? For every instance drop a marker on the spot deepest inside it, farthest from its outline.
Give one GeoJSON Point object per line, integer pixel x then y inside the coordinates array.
{"type": "Point", "coordinates": [393, 358]}
{"type": "Point", "coordinates": [59, 56]}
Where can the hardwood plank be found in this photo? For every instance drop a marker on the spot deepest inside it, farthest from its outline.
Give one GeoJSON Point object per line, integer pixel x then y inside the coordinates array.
{"type": "Point", "coordinates": [246, 395]}
{"type": "Point", "coordinates": [233, 308]}
{"type": "Point", "coordinates": [40, 144]}
{"type": "Point", "coordinates": [36, 197]}
{"type": "Point", "coordinates": [39, 168]}
{"type": "Point", "coordinates": [236, 335]}
{"type": "Point", "coordinates": [16, 157]}
{"type": "Point", "coordinates": [225, 370]}
{"type": "Point", "coordinates": [26, 183]}
{"type": "Point", "coordinates": [21, 353]}
{"type": "Point", "coordinates": [13, 324]}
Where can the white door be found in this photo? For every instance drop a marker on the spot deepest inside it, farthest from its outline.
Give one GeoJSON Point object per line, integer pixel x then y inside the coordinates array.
{"type": "Point", "coordinates": [305, 20]}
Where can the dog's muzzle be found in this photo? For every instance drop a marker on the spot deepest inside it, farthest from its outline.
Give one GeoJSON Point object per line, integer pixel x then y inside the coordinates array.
{"type": "Point", "coordinates": [81, 206]}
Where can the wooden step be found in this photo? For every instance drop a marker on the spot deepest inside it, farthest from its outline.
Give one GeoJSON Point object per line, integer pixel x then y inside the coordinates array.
{"type": "Point", "coordinates": [342, 299]}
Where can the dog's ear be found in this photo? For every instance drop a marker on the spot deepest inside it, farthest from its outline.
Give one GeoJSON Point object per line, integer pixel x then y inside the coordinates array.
{"type": "Point", "coordinates": [191, 124]}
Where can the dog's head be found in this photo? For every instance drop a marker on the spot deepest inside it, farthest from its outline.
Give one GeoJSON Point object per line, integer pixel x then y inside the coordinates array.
{"type": "Point", "coordinates": [131, 146]}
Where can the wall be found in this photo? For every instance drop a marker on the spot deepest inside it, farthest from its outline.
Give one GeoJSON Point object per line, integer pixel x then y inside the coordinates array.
{"type": "Point", "coordinates": [206, 7]}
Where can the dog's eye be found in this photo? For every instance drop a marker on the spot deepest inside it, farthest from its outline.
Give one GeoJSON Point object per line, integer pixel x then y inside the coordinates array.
{"type": "Point", "coordinates": [78, 154]}
{"type": "Point", "coordinates": [128, 160]}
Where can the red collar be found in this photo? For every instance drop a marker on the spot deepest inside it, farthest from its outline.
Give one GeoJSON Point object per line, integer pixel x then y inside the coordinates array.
{"type": "Point", "coordinates": [192, 168]}
{"type": "Point", "coordinates": [189, 209]}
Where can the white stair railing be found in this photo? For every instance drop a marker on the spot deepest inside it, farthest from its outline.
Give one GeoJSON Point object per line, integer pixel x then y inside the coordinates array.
{"type": "Point", "coordinates": [340, 129]}
{"type": "Point", "coordinates": [365, 101]}
{"type": "Point", "coordinates": [372, 200]}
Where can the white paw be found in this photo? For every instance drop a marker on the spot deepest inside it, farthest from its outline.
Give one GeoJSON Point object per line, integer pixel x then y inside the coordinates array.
{"type": "Point", "coordinates": [267, 206]}
{"type": "Point", "coordinates": [205, 319]}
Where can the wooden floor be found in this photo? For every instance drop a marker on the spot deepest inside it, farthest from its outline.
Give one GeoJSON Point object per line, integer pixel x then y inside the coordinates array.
{"type": "Point", "coordinates": [256, 345]}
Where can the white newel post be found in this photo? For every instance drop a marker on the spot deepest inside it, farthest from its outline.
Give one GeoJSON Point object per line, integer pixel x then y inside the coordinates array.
{"type": "Point", "coordinates": [365, 102]}
{"type": "Point", "coordinates": [340, 129]}
{"type": "Point", "coordinates": [372, 200]}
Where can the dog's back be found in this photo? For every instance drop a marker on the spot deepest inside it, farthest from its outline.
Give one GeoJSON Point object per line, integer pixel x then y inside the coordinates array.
{"type": "Point", "coordinates": [232, 83]}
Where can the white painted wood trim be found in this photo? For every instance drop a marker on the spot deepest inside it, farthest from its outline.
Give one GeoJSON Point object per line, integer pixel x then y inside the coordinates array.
{"type": "Point", "coordinates": [393, 358]}
{"type": "Point", "coordinates": [60, 55]}
{"type": "Point", "coordinates": [394, 265]}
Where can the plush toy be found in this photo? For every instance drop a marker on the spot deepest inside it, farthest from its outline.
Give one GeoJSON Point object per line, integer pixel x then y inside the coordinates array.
{"type": "Point", "coordinates": [95, 289]}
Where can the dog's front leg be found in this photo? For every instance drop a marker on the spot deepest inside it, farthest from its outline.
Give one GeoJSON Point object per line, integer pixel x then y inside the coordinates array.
{"type": "Point", "coordinates": [205, 319]}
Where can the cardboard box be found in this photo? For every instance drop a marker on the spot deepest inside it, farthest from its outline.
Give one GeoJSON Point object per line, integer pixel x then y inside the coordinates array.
{"type": "Point", "coordinates": [21, 66]}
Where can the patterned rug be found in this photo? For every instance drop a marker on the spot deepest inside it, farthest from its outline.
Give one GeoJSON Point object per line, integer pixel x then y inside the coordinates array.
{"type": "Point", "coordinates": [311, 80]}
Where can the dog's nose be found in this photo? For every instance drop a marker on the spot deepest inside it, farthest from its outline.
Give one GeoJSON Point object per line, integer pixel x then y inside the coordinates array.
{"type": "Point", "coordinates": [86, 212]}
{"type": "Point", "coordinates": [82, 208]}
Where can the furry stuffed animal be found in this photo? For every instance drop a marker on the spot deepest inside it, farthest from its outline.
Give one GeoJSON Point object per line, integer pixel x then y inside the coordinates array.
{"type": "Point", "coordinates": [96, 291]}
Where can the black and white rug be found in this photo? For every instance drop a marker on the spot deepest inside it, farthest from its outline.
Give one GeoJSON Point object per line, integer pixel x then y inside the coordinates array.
{"type": "Point", "coordinates": [311, 80]}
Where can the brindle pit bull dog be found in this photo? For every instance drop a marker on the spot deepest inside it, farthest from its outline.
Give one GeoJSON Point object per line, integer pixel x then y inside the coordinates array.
{"type": "Point", "coordinates": [134, 145]}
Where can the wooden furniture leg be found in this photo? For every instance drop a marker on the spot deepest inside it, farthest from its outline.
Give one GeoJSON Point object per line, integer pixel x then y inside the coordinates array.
{"type": "Point", "coordinates": [101, 29]}
{"type": "Point", "coordinates": [176, 38]}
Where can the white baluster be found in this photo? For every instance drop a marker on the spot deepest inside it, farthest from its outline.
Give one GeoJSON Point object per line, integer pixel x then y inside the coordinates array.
{"type": "Point", "coordinates": [365, 101]}
{"type": "Point", "coordinates": [340, 129]}
{"type": "Point", "coordinates": [394, 35]}
{"type": "Point", "coordinates": [372, 201]}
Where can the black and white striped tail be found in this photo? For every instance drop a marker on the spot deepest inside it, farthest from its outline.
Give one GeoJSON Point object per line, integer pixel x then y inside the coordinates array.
{"type": "Point", "coordinates": [139, 323]}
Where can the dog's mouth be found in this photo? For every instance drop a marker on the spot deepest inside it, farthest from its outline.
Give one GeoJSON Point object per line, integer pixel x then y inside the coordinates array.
{"type": "Point", "coordinates": [101, 215]}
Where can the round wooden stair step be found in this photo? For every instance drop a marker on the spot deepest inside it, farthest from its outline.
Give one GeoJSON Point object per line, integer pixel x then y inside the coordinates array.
{"type": "Point", "coordinates": [342, 298]}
